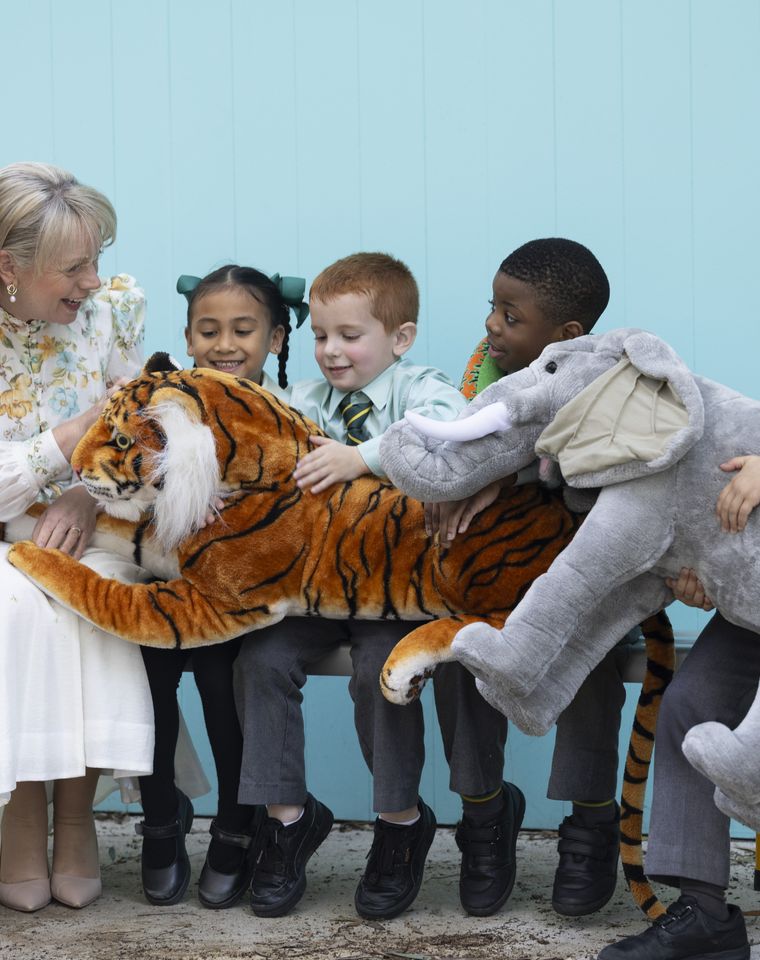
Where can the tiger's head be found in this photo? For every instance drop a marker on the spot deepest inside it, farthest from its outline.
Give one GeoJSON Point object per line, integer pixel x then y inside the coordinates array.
{"type": "Point", "coordinates": [171, 441]}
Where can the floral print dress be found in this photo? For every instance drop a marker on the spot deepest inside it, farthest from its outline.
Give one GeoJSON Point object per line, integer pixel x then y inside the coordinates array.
{"type": "Point", "coordinates": [70, 696]}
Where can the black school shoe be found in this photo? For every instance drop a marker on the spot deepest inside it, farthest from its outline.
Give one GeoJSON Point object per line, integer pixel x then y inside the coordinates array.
{"type": "Point", "coordinates": [686, 932]}
{"type": "Point", "coordinates": [165, 886]}
{"type": "Point", "coordinates": [588, 865]}
{"type": "Point", "coordinates": [218, 890]}
{"type": "Point", "coordinates": [487, 874]}
{"type": "Point", "coordinates": [395, 865]}
{"type": "Point", "coordinates": [279, 874]}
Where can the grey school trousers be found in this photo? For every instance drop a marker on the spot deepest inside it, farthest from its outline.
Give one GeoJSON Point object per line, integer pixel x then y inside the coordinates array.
{"type": "Point", "coordinates": [688, 835]}
{"type": "Point", "coordinates": [270, 675]}
{"type": "Point", "coordinates": [585, 759]}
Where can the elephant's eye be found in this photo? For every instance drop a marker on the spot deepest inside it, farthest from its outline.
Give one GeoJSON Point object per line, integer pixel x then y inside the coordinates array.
{"type": "Point", "coordinates": [551, 367]}
{"type": "Point", "coordinates": [122, 441]}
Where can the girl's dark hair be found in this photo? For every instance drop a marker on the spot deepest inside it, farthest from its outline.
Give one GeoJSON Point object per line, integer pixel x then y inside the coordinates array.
{"type": "Point", "coordinates": [261, 288]}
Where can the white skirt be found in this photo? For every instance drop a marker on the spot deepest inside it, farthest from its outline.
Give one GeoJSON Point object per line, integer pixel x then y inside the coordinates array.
{"type": "Point", "coordinates": [71, 696]}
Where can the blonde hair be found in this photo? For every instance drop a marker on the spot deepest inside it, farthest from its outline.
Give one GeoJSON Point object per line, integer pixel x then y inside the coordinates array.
{"type": "Point", "coordinates": [387, 283]}
{"type": "Point", "coordinates": [45, 210]}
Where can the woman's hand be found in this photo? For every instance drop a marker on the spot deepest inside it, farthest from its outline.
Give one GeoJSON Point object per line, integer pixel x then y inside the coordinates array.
{"type": "Point", "coordinates": [67, 524]}
{"type": "Point", "coordinates": [67, 435]}
{"type": "Point", "coordinates": [739, 498]}
{"type": "Point", "coordinates": [689, 590]}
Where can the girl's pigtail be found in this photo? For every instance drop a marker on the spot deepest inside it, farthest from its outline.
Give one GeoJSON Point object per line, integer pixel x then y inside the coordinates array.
{"type": "Point", "coordinates": [282, 359]}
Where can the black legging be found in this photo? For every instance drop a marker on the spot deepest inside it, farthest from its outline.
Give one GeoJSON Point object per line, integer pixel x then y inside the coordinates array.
{"type": "Point", "coordinates": [212, 667]}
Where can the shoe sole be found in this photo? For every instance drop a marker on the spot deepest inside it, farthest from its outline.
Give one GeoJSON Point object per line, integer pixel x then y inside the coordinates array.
{"type": "Point", "coordinates": [285, 906]}
{"type": "Point", "coordinates": [498, 904]}
{"type": "Point", "coordinates": [410, 897]}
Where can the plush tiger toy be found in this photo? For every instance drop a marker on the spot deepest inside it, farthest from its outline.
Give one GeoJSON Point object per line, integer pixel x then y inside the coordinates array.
{"type": "Point", "coordinates": [171, 442]}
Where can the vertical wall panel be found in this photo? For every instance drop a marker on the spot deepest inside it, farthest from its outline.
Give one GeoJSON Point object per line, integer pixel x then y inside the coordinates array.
{"type": "Point", "coordinates": [726, 160]}
{"type": "Point", "coordinates": [28, 129]}
{"type": "Point", "coordinates": [143, 173]}
{"type": "Point", "coordinates": [202, 169]}
{"type": "Point", "coordinates": [327, 107]}
{"type": "Point", "coordinates": [589, 131]}
{"type": "Point", "coordinates": [83, 115]}
{"type": "Point", "coordinates": [266, 146]}
{"type": "Point", "coordinates": [520, 140]}
{"type": "Point", "coordinates": [456, 126]}
{"type": "Point", "coordinates": [392, 133]}
{"type": "Point", "coordinates": [657, 279]}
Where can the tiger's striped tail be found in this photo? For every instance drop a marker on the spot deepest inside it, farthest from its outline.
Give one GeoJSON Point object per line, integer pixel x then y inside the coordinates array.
{"type": "Point", "coordinates": [660, 650]}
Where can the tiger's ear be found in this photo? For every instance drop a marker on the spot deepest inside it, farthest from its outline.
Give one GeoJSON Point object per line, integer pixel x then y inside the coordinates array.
{"type": "Point", "coordinates": [177, 396]}
{"type": "Point", "coordinates": [161, 362]}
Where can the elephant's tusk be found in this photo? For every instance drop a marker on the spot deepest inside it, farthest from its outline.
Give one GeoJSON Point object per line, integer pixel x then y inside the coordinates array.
{"type": "Point", "coordinates": [487, 420]}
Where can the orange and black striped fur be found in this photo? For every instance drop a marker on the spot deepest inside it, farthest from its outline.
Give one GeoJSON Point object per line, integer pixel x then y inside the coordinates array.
{"type": "Point", "coordinates": [169, 442]}
{"type": "Point", "coordinates": [356, 550]}
{"type": "Point", "coordinates": [660, 649]}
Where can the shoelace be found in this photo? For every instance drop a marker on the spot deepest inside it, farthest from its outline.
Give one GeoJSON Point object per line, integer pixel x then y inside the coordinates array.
{"type": "Point", "coordinates": [271, 857]}
{"type": "Point", "coordinates": [675, 911]}
{"type": "Point", "coordinates": [387, 844]}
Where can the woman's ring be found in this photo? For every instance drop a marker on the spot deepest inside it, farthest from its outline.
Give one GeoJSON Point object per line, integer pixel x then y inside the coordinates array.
{"type": "Point", "coordinates": [76, 530]}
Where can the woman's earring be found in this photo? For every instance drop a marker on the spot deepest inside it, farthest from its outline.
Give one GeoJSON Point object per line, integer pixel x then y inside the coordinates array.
{"type": "Point", "coordinates": [12, 291]}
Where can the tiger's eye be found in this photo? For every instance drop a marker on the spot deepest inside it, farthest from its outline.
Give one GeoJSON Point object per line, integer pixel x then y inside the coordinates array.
{"type": "Point", "coordinates": [122, 441]}
{"type": "Point", "coordinates": [551, 367]}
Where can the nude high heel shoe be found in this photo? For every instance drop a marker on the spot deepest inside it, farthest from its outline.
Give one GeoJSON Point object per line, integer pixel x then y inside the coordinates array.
{"type": "Point", "coordinates": [75, 892]}
{"type": "Point", "coordinates": [75, 852]}
{"type": "Point", "coordinates": [27, 895]}
{"type": "Point", "coordinates": [24, 850]}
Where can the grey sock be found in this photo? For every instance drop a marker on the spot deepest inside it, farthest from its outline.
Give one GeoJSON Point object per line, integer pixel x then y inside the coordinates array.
{"type": "Point", "coordinates": [709, 896]}
{"type": "Point", "coordinates": [593, 814]}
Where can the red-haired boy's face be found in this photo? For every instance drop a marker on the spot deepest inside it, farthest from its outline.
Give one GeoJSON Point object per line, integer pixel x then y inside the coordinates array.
{"type": "Point", "coordinates": [352, 347]}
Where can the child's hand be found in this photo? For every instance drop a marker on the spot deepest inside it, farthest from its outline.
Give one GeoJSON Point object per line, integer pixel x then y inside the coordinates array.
{"type": "Point", "coordinates": [212, 516]}
{"type": "Point", "coordinates": [689, 590]}
{"type": "Point", "coordinates": [739, 497]}
{"type": "Point", "coordinates": [449, 519]}
{"type": "Point", "coordinates": [331, 462]}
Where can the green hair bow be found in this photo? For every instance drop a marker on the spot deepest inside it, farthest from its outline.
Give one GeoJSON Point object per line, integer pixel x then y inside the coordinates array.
{"type": "Point", "coordinates": [291, 290]}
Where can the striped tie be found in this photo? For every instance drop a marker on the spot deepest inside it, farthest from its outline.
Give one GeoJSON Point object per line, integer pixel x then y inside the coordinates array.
{"type": "Point", "coordinates": [354, 409]}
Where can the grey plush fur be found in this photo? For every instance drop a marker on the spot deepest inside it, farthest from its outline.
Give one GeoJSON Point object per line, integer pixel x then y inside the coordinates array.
{"type": "Point", "coordinates": [651, 518]}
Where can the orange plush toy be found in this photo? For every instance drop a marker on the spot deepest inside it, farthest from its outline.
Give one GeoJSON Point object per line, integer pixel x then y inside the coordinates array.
{"type": "Point", "coordinates": [171, 441]}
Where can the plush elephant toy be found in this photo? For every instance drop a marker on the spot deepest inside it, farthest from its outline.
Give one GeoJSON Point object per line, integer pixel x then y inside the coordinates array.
{"type": "Point", "coordinates": [619, 413]}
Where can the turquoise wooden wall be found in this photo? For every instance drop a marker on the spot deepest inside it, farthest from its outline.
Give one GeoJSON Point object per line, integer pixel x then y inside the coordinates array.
{"type": "Point", "coordinates": [287, 134]}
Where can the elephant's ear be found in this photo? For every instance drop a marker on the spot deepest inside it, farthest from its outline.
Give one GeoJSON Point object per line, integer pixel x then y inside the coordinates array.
{"type": "Point", "coordinates": [636, 419]}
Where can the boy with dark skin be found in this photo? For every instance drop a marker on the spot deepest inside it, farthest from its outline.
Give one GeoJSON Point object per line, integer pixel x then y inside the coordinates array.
{"type": "Point", "coordinates": [545, 291]}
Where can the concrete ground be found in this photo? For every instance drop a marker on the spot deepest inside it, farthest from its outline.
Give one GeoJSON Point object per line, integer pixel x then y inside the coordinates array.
{"type": "Point", "coordinates": [122, 926]}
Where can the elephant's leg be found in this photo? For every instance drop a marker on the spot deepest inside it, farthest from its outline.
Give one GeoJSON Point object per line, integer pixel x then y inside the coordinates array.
{"type": "Point", "coordinates": [623, 536]}
{"type": "Point", "coordinates": [414, 658]}
{"type": "Point", "coordinates": [742, 810]}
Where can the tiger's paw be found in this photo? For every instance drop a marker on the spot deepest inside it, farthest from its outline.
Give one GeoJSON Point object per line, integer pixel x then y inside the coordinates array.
{"type": "Point", "coordinates": [414, 658]}
{"type": "Point", "coordinates": [403, 682]}
{"type": "Point", "coordinates": [25, 555]}
{"type": "Point", "coordinates": [725, 757]}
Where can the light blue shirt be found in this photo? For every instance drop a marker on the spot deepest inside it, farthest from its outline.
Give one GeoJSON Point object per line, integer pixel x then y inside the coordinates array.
{"type": "Point", "coordinates": [400, 387]}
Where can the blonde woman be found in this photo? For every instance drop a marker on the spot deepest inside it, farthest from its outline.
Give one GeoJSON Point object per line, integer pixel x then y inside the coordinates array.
{"type": "Point", "coordinates": [73, 701]}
